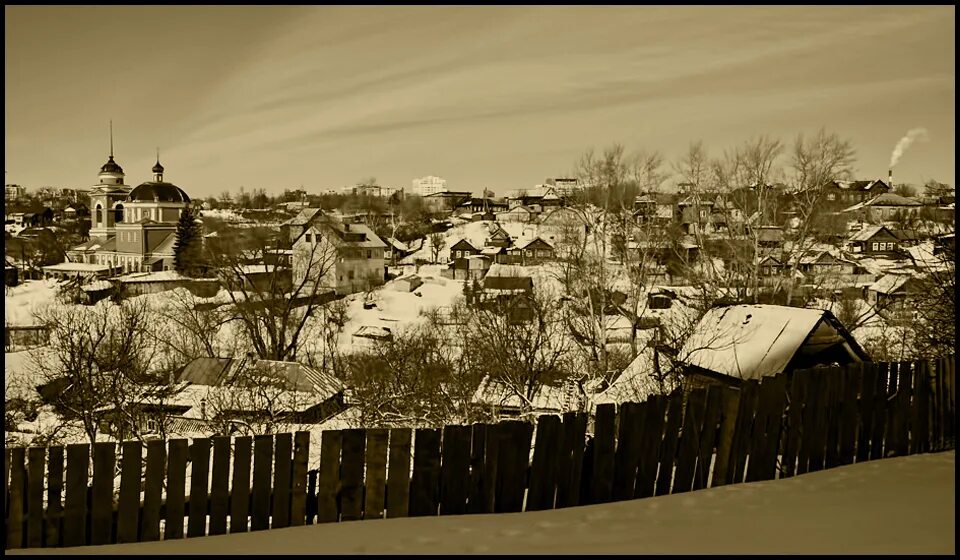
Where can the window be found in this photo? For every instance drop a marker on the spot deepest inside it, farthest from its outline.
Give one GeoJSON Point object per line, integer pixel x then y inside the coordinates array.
{"type": "Point", "coordinates": [309, 238]}
{"type": "Point", "coordinates": [873, 246]}
{"type": "Point", "coordinates": [350, 275]}
{"type": "Point", "coordinates": [99, 214]}
{"type": "Point", "coordinates": [831, 196]}
{"type": "Point", "coordinates": [528, 252]}
{"type": "Point", "coordinates": [369, 254]}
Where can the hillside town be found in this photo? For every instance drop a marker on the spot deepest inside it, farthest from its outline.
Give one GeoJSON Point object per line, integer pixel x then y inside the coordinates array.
{"type": "Point", "coordinates": [144, 312]}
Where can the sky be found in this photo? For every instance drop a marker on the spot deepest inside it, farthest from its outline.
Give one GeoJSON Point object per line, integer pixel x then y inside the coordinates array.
{"type": "Point", "coordinates": [498, 97]}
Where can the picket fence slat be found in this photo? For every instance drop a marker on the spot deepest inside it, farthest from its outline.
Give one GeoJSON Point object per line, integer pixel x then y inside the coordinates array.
{"type": "Point", "coordinates": [708, 436]}
{"type": "Point", "coordinates": [177, 456]}
{"type": "Point", "coordinates": [240, 484]}
{"type": "Point", "coordinates": [604, 448]}
{"type": "Point", "coordinates": [867, 408]}
{"type": "Point", "coordinates": [728, 425]}
{"type": "Point", "coordinates": [35, 475]}
{"type": "Point", "coordinates": [328, 479]}
{"type": "Point", "coordinates": [740, 448]}
{"type": "Point", "coordinates": [152, 490]}
{"type": "Point", "coordinates": [425, 481]}
{"type": "Point", "coordinates": [351, 474]}
{"type": "Point", "coordinates": [128, 515]}
{"type": "Point", "coordinates": [298, 496]}
{"type": "Point", "coordinates": [476, 502]}
{"type": "Point", "coordinates": [54, 520]}
{"type": "Point", "coordinates": [513, 455]}
{"type": "Point", "coordinates": [570, 466]}
{"type": "Point", "coordinates": [880, 433]}
{"type": "Point", "coordinates": [75, 515]}
{"type": "Point", "coordinates": [628, 450]}
{"type": "Point", "coordinates": [220, 486]}
{"type": "Point", "coordinates": [376, 477]}
{"type": "Point", "coordinates": [398, 473]}
{"type": "Point", "coordinates": [689, 444]}
{"type": "Point", "coordinates": [454, 470]}
{"type": "Point", "coordinates": [17, 504]}
{"type": "Point", "coordinates": [199, 487]}
{"type": "Point", "coordinates": [543, 469]}
{"type": "Point", "coordinates": [282, 479]}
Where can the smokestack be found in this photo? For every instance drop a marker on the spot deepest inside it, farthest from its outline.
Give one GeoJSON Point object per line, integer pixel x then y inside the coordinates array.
{"type": "Point", "coordinates": [890, 178]}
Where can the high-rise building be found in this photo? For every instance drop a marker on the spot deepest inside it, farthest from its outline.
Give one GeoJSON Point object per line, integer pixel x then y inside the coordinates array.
{"type": "Point", "coordinates": [429, 185]}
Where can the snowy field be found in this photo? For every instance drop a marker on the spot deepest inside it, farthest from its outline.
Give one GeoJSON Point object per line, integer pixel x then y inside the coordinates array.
{"type": "Point", "coordinates": [903, 505]}
{"type": "Point", "coordinates": [22, 300]}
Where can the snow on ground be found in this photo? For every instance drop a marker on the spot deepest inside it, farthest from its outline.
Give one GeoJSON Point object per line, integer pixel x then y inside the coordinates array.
{"type": "Point", "coordinates": [395, 309]}
{"type": "Point", "coordinates": [20, 301]}
{"type": "Point", "coordinates": [224, 214]}
{"type": "Point", "coordinates": [903, 505]}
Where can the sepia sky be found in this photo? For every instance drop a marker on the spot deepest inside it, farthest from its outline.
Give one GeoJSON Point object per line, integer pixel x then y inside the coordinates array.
{"type": "Point", "coordinates": [499, 97]}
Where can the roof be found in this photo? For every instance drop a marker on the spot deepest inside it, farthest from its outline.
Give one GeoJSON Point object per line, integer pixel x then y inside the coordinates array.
{"type": "Point", "coordinates": [111, 167]}
{"type": "Point", "coordinates": [216, 372]}
{"type": "Point", "coordinates": [303, 217]}
{"type": "Point", "coordinates": [158, 192]}
{"type": "Point", "coordinates": [340, 238]}
{"type": "Point", "coordinates": [495, 393]}
{"type": "Point", "coordinates": [534, 240]}
{"type": "Point", "coordinates": [769, 233]}
{"type": "Point", "coordinates": [166, 245]}
{"type": "Point", "coordinates": [77, 267]}
{"type": "Point", "coordinates": [751, 341]}
{"type": "Point", "coordinates": [374, 332]}
{"type": "Point", "coordinates": [467, 241]}
{"type": "Point", "coordinates": [868, 232]}
{"type": "Point", "coordinates": [891, 199]}
{"type": "Point", "coordinates": [889, 283]}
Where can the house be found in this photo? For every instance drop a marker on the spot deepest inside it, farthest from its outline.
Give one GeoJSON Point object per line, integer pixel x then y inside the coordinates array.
{"type": "Point", "coordinates": [735, 343]}
{"type": "Point", "coordinates": [483, 205]}
{"type": "Point", "coordinates": [462, 249]}
{"type": "Point", "coordinates": [770, 266]}
{"type": "Point", "coordinates": [496, 254]}
{"type": "Point", "coordinates": [840, 193]}
{"type": "Point", "coordinates": [886, 206]}
{"type": "Point", "coordinates": [444, 202]}
{"type": "Point", "coordinates": [293, 228]}
{"type": "Point", "coordinates": [395, 250]}
{"type": "Point", "coordinates": [892, 291]}
{"type": "Point", "coordinates": [537, 198]}
{"type": "Point", "coordinates": [406, 283]}
{"type": "Point", "coordinates": [656, 208]}
{"type": "Point", "coordinates": [769, 237]}
{"type": "Point", "coordinates": [945, 244]}
{"type": "Point", "coordinates": [507, 279]}
{"type": "Point", "coordinates": [822, 263]}
{"type": "Point", "coordinates": [873, 241]}
{"type": "Point", "coordinates": [9, 273]}
{"type": "Point", "coordinates": [498, 237]}
{"type": "Point", "coordinates": [533, 252]}
{"type": "Point", "coordinates": [644, 377]}
{"type": "Point", "coordinates": [348, 258]}
{"type": "Point", "coordinates": [520, 213]}
{"type": "Point", "coordinates": [500, 400]}
{"type": "Point", "coordinates": [694, 213]}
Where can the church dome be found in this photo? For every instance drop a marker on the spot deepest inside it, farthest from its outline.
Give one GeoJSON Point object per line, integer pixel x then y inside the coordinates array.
{"type": "Point", "coordinates": [157, 168]}
{"type": "Point", "coordinates": [111, 167]}
{"type": "Point", "coordinates": [158, 192]}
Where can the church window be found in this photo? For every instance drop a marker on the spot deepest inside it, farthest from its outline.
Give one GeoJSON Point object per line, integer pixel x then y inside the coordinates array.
{"type": "Point", "coordinates": [118, 213]}
{"type": "Point", "coordinates": [99, 214]}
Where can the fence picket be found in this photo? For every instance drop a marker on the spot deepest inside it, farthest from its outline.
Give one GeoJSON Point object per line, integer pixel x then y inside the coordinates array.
{"type": "Point", "coordinates": [282, 479]}
{"type": "Point", "coordinates": [35, 471]}
{"type": "Point", "coordinates": [543, 470]}
{"type": "Point", "coordinates": [866, 403]}
{"type": "Point", "coordinates": [199, 484]}
{"type": "Point", "coordinates": [176, 487]}
{"type": "Point", "coordinates": [54, 521]}
{"type": "Point", "coordinates": [240, 484]}
{"type": "Point", "coordinates": [454, 470]}
{"type": "Point", "coordinates": [298, 498]}
{"type": "Point", "coordinates": [17, 503]}
{"type": "Point", "coordinates": [512, 462]}
{"type": "Point", "coordinates": [262, 474]}
{"type": "Point", "coordinates": [101, 511]}
{"type": "Point", "coordinates": [904, 397]}
{"type": "Point", "coordinates": [708, 437]}
{"type": "Point", "coordinates": [879, 432]}
{"type": "Point", "coordinates": [478, 482]}
{"type": "Point", "coordinates": [919, 429]}
{"type": "Point", "coordinates": [425, 482]}
{"type": "Point", "coordinates": [328, 479]}
{"type": "Point", "coordinates": [376, 478]}
{"type": "Point", "coordinates": [351, 474]}
{"type": "Point", "coordinates": [398, 473]}
{"type": "Point", "coordinates": [128, 514]}
{"type": "Point", "coordinates": [689, 441]}
{"type": "Point", "coordinates": [813, 445]}
{"type": "Point", "coordinates": [220, 486]}
{"type": "Point", "coordinates": [570, 466]}
{"type": "Point", "coordinates": [603, 453]}
{"type": "Point", "coordinates": [740, 449]}
{"type": "Point", "coordinates": [628, 450]}
{"type": "Point", "coordinates": [793, 429]}
{"type": "Point", "coordinates": [154, 475]}
{"type": "Point", "coordinates": [725, 436]}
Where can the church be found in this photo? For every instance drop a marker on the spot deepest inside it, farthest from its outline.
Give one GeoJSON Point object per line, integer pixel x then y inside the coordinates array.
{"type": "Point", "coordinates": [132, 229]}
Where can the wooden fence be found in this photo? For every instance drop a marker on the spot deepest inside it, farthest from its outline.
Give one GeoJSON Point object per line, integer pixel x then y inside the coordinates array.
{"type": "Point", "coordinates": [785, 425]}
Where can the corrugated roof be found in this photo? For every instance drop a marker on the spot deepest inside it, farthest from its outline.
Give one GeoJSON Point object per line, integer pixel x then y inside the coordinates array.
{"type": "Point", "coordinates": [205, 371]}
{"type": "Point", "coordinates": [214, 372]}
{"type": "Point", "coordinates": [749, 341]}
{"type": "Point", "coordinates": [889, 283]}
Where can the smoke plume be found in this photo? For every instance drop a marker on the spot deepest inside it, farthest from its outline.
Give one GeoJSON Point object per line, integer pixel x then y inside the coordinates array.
{"type": "Point", "coordinates": [912, 136]}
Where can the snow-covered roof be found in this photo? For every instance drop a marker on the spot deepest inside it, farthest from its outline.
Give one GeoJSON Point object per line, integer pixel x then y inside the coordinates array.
{"type": "Point", "coordinates": [495, 393]}
{"type": "Point", "coordinates": [889, 283]}
{"type": "Point", "coordinates": [868, 232]}
{"type": "Point", "coordinates": [77, 267]}
{"type": "Point", "coordinates": [374, 332]}
{"type": "Point", "coordinates": [749, 341]}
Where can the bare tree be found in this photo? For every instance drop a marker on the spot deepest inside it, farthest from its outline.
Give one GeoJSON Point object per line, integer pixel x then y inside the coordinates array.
{"type": "Point", "coordinates": [272, 304]}
{"type": "Point", "coordinates": [437, 242]}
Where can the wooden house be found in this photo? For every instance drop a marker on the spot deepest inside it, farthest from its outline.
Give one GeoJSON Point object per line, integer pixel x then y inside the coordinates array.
{"type": "Point", "coordinates": [874, 241]}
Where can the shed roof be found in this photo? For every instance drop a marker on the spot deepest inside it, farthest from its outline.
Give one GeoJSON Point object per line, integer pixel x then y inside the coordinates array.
{"type": "Point", "coordinates": [751, 341]}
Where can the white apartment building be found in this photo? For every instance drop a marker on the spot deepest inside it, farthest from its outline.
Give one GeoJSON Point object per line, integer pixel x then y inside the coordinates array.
{"type": "Point", "coordinates": [429, 185]}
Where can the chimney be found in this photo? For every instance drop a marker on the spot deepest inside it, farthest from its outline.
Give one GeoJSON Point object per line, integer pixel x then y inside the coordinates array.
{"type": "Point", "coordinates": [890, 178]}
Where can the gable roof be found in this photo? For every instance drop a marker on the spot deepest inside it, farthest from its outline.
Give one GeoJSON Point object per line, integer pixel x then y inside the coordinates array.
{"type": "Point", "coordinates": [304, 217]}
{"type": "Point", "coordinates": [464, 240]}
{"type": "Point", "coordinates": [890, 283]}
{"type": "Point", "coordinates": [753, 341]}
{"type": "Point", "coordinates": [867, 233]}
{"type": "Point", "coordinates": [534, 240]}
{"type": "Point", "coordinates": [216, 372]}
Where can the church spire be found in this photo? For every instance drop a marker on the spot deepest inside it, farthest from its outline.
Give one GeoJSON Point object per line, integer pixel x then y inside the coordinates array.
{"type": "Point", "coordinates": [158, 169]}
{"type": "Point", "coordinates": [111, 138]}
